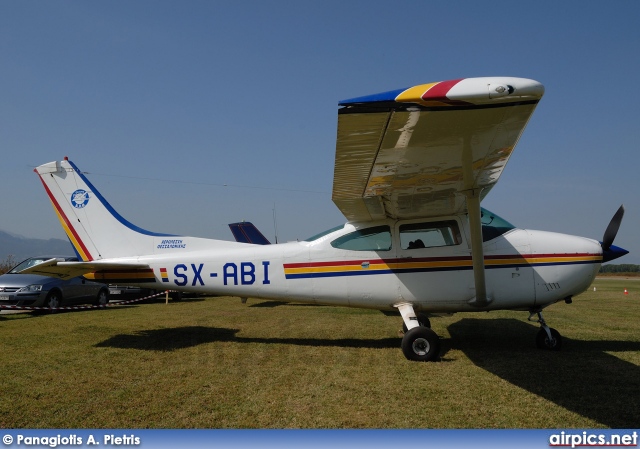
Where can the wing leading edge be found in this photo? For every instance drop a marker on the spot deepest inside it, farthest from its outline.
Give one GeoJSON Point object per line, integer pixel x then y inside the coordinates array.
{"type": "Point", "coordinates": [421, 151]}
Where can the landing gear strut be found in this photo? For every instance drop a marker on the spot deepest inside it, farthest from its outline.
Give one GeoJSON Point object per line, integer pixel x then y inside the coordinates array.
{"type": "Point", "coordinates": [420, 343]}
{"type": "Point", "coordinates": [423, 320]}
{"type": "Point", "coordinates": [547, 338]}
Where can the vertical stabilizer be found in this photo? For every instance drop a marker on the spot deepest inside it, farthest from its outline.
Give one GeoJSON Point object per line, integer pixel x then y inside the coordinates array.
{"type": "Point", "coordinates": [94, 228]}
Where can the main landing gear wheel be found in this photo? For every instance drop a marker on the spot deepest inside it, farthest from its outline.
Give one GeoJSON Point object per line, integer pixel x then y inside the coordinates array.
{"type": "Point", "coordinates": [421, 344]}
{"type": "Point", "coordinates": [544, 342]}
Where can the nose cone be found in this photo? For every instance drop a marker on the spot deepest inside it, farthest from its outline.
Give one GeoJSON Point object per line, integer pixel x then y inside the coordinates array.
{"type": "Point", "coordinates": [613, 253]}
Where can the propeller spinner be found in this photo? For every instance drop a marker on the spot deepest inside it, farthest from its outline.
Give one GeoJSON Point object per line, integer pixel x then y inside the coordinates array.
{"type": "Point", "coordinates": [609, 251]}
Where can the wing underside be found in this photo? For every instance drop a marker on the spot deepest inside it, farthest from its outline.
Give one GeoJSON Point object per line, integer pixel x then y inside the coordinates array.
{"type": "Point", "coordinates": [414, 152]}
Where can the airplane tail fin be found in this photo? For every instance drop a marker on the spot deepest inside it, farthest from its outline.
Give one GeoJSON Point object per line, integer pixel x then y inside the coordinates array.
{"type": "Point", "coordinates": [246, 232]}
{"type": "Point", "coordinates": [94, 228]}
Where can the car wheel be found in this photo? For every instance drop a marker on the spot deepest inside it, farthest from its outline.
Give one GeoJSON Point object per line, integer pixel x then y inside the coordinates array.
{"type": "Point", "coordinates": [103, 298]}
{"type": "Point", "coordinates": [54, 300]}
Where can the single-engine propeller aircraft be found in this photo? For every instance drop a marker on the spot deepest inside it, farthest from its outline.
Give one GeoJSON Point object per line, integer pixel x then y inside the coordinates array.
{"type": "Point", "coordinates": [411, 168]}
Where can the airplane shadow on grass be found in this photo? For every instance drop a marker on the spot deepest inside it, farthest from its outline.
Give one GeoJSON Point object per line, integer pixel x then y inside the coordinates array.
{"type": "Point", "coordinates": [189, 336]}
{"type": "Point", "coordinates": [583, 377]}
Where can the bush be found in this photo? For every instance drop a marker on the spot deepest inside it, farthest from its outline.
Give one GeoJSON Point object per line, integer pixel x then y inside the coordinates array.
{"type": "Point", "coordinates": [8, 263]}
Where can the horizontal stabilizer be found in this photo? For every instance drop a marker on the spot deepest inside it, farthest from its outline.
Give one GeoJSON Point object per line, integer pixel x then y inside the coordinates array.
{"type": "Point", "coordinates": [68, 270]}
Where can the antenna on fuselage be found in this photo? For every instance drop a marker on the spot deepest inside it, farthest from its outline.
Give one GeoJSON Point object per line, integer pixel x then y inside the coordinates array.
{"type": "Point", "coordinates": [275, 222]}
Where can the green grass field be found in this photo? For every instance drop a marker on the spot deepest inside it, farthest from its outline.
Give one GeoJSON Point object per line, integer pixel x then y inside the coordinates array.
{"type": "Point", "coordinates": [217, 363]}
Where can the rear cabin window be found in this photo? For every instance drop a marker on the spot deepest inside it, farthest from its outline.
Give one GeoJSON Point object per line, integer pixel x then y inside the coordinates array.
{"type": "Point", "coordinates": [429, 235]}
{"type": "Point", "coordinates": [377, 238]}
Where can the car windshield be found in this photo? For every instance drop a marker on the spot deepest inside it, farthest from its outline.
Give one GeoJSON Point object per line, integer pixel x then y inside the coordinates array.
{"type": "Point", "coordinates": [28, 264]}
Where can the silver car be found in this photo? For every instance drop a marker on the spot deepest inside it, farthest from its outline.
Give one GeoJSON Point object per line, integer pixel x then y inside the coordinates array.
{"type": "Point", "coordinates": [42, 291]}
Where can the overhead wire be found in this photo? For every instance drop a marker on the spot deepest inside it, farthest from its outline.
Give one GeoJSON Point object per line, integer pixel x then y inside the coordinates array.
{"type": "Point", "coordinates": [211, 184]}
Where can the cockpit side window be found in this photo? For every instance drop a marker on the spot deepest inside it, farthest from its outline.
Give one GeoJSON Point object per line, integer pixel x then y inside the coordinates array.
{"type": "Point", "coordinates": [430, 234]}
{"type": "Point", "coordinates": [377, 238]}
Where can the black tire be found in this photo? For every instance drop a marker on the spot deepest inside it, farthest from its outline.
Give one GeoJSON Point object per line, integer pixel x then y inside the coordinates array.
{"type": "Point", "coordinates": [103, 297]}
{"type": "Point", "coordinates": [423, 320]}
{"type": "Point", "coordinates": [543, 341]}
{"type": "Point", "coordinates": [421, 344]}
{"type": "Point", "coordinates": [54, 300]}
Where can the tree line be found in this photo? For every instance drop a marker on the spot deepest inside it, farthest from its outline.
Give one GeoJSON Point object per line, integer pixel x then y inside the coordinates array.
{"type": "Point", "coordinates": [620, 268]}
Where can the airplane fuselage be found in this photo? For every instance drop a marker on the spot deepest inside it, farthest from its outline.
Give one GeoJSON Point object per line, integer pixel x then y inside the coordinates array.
{"type": "Point", "coordinates": [377, 269]}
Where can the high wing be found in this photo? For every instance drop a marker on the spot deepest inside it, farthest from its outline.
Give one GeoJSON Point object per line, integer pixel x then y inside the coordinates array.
{"type": "Point", "coordinates": [430, 150]}
{"type": "Point", "coordinates": [417, 152]}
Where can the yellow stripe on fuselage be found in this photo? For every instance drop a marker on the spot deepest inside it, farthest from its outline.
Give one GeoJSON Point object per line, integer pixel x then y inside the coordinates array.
{"type": "Point", "coordinates": [109, 275]}
{"type": "Point", "coordinates": [436, 264]}
{"type": "Point", "coordinates": [336, 268]}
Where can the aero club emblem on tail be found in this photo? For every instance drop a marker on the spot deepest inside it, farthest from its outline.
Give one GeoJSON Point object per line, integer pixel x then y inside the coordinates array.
{"type": "Point", "coordinates": [79, 198]}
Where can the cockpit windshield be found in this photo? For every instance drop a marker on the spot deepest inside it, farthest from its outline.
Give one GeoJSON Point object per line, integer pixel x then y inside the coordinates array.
{"type": "Point", "coordinates": [323, 233]}
{"type": "Point", "coordinates": [493, 225]}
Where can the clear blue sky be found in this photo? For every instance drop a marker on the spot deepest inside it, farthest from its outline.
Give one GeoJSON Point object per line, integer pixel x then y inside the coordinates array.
{"type": "Point", "coordinates": [164, 103]}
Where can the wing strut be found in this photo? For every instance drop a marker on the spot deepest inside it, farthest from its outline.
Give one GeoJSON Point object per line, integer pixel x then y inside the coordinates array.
{"type": "Point", "coordinates": [473, 197]}
{"type": "Point", "coordinates": [477, 253]}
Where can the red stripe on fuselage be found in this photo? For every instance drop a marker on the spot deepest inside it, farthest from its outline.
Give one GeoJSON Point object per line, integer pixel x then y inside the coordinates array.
{"type": "Point", "coordinates": [342, 263]}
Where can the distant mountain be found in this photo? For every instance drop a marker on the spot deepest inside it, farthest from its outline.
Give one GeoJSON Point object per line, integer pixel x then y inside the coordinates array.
{"type": "Point", "coordinates": [22, 247]}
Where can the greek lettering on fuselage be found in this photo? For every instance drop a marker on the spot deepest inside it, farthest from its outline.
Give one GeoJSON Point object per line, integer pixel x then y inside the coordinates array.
{"type": "Point", "coordinates": [243, 273]}
{"type": "Point", "coordinates": [172, 244]}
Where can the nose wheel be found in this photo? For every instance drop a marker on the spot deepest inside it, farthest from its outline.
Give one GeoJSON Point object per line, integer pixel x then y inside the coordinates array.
{"type": "Point", "coordinates": [547, 338]}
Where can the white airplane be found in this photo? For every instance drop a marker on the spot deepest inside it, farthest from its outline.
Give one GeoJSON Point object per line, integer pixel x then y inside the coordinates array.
{"type": "Point", "coordinates": [412, 166]}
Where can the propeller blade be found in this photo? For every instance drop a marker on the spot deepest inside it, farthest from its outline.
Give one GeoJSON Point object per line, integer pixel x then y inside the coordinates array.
{"type": "Point", "coordinates": [612, 229]}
